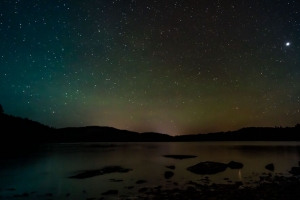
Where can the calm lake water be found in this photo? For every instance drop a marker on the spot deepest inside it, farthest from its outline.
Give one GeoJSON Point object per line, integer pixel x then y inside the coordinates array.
{"type": "Point", "coordinates": [46, 169]}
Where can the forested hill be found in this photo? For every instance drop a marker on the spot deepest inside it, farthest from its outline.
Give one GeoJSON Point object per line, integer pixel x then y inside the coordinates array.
{"type": "Point", "coordinates": [22, 130]}
{"type": "Point", "coordinates": [19, 130]}
{"type": "Point", "coordinates": [248, 134]}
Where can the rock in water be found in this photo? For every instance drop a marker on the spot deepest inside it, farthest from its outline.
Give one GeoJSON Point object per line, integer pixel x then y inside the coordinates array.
{"type": "Point", "coordinates": [25, 194]}
{"type": "Point", "coordinates": [170, 167]}
{"type": "Point", "coordinates": [110, 192]}
{"type": "Point", "coordinates": [105, 170]}
{"type": "Point", "coordinates": [235, 165]}
{"type": "Point", "coordinates": [115, 180]}
{"type": "Point", "coordinates": [140, 181]}
{"type": "Point", "coordinates": [168, 174]}
{"type": "Point", "coordinates": [208, 167]}
{"type": "Point", "coordinates": [144, 189]}
{"type": "Point", "coordinates": [270, 167]}
{"type": "Point", "coordinates": [295, 171]}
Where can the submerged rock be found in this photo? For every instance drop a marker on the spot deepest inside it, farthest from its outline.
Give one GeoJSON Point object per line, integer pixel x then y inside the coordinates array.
{"type": "Point", "coordinates": [110, 192]}
{"type": "Point", "coordinates": [168, 174]}
{"type": "Point", "coordinates": [144, 189]}
{"type": "Point", "coordinates": [180, 157]}
{"type": "Point", "coordinates": [207, 167]}
{"type": "Point", "coordinates": [140, 181]}
{"type": "Point", "coordinates": [105, 170]}
{"type": "Point", "coordinates": [115, 180]}
{"type": "Point", "coordinates": [170, 167]}
{"type": "Point", "coordinates": [25, 194]}
{"type": "Point", "coordinates": [158, 187]}
{"type": "Point", "coordinates": [239, 182]}
{"type": "Point", "coordinates": [235, 165]}
{"type": "Point", "coordinates": [295, 171]}
{"type": "Point", "coordinates": [124, 170]}
{"type": "Point", "coordinates": [270, 167]}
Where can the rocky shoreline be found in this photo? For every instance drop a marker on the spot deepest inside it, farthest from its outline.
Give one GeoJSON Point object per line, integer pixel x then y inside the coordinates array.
{"type": "Point", "coordinates": [268, 185]}
{"type": "Point", "coordinates": [277, 187]}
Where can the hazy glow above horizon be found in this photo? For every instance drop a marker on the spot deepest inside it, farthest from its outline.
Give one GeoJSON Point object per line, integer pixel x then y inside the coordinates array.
{"type": "Point", "coordinates": [177, 68]}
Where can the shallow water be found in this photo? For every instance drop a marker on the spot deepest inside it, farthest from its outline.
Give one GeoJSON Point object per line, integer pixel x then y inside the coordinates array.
{"type": "Point", "coordinates": [45, 169]}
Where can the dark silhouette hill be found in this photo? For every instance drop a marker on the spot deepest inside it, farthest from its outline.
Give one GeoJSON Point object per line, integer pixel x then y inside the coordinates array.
{"type": "Point", "coordinates": [19, 130]}
{"type": "Point", "coordinates": [248, 134]}
{"type": "Point", "coordinates": [94, 133]}
{"type": "Point", "coordinates": [155, 137]}
{"type": "Point", "coordinates": [23, 131]}
{"type": "Point", "coordinates": [107, 134]}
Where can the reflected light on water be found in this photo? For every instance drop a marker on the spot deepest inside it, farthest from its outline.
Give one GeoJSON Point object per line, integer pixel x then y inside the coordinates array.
{"type": "Point", "coordinates": [48, 167]}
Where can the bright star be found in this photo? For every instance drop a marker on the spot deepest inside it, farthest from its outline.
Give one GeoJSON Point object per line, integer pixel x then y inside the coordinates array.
{"type": "Point", "coordinates": [287, 44]}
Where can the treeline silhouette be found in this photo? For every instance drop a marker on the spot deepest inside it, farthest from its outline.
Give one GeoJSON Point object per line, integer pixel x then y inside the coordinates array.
{"type": "Point", "coordinates": [248, 134]}
{"type": "Point", "coordinates": [23, 131]}
{"type": "Point", "coordinates": [108, 134]}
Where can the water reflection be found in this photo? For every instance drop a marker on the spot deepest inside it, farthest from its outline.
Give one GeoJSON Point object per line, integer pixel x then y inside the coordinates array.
{"type": "Point", "coordinates": [45, 169]}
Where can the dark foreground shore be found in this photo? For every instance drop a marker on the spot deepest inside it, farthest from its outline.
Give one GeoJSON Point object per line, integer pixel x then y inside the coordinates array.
{"type": "Point", "coordinates": [270, 187]}
{"type": "Point", "coordinates": [277, 187]}
{"type": "Point", "coordinates": [263, 186]}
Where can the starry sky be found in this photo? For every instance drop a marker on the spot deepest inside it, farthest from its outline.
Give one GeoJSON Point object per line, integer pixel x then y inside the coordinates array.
{"type": "Point", "coordinates": [169, 66]}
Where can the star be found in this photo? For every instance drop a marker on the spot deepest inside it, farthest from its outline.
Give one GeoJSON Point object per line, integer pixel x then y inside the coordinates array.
{"type": "Point", "coordinates": [125, 57]}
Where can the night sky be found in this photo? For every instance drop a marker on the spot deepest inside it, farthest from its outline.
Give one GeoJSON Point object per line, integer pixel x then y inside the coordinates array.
{"type": "Point", "coordinates": [175, 67]}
